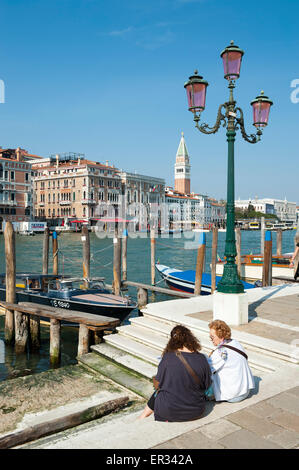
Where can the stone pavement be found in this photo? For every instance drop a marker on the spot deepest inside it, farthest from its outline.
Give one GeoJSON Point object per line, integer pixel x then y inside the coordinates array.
{"type": "Point", "coordinates": [269, 424]}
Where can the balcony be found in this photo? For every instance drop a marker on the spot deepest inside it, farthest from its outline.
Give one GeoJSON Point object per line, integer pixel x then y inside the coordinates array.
{"type": "Point", "coordinates": [88, 201]}
{"type": "Point", "coordinates": [65, 203]}
{"type": "Point", "coordinates": [41, 204]}
{"type": "Point", "coordinates": [8, 203]}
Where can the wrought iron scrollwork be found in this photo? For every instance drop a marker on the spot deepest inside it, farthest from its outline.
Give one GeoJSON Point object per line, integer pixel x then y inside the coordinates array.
{"type": "Point", "coordinates": [212, 130]}
{"type": "Point", "coordinates": [252, 138]}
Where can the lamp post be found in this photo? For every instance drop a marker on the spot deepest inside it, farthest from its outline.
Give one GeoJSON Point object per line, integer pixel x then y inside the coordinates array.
{"type": "Point", "coordinates": [232, 118]}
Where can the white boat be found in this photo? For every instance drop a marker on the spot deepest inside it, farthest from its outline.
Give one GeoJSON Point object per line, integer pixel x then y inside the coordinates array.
{"type": "Point", "coordinates": [26, 232]}
{"type": "Point", "coordinates": [252, 267]}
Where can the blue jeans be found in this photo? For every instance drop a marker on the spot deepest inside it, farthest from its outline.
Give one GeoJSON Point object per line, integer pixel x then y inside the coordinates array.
{"type": "Point", "coordinates": [240, 398]}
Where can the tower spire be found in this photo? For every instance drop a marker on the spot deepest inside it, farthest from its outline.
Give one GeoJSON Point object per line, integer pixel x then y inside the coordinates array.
{"type": "Point", "coordinates": [182, 168]}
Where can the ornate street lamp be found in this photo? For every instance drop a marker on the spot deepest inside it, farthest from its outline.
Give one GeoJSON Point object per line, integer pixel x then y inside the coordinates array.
{"type": "Point", "coordinates": [232, 118]}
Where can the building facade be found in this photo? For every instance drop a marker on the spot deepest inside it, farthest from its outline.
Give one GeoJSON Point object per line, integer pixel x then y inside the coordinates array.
{"type": "Point", "coordinates": [16, 176]}
{"type": "Point", "coordinates": [72, 188]}
{"type": "Point", "coordinates": [69, 187]}
{"type": "Point", "coordinates": [283, 209]}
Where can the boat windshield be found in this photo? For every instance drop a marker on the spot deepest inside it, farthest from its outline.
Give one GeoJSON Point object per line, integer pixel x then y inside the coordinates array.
{"type": "Point", "coordinates": [75, 284]}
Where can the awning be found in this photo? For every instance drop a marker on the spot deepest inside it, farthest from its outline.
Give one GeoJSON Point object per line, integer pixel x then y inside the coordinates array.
{"type": "Point", "coordinates": [78, 221]}
{"type": "Point", "coordinates": [111, 219]}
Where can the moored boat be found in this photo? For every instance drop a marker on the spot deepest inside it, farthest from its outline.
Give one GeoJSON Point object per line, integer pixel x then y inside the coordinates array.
{"type": "Point", "coordinates": [78, 294]}
{"type": "Point", "coordinates": [252, 266]}
{"type": "Point", "coordinates": [184, 281]}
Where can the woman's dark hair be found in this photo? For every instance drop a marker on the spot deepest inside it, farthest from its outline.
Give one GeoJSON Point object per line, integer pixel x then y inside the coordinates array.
{"type": "Point", "coordinates": [181, 336]}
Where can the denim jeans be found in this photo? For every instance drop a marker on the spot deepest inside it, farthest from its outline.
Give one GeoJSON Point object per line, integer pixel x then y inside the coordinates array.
{"type": "Point", "coordinates": [240, 398]}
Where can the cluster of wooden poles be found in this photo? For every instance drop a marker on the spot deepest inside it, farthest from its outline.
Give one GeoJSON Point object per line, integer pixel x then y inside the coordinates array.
{"type": "Point", "coordinates": [14, 324]}
{"type": "Point", "coordinates": [266, 249]}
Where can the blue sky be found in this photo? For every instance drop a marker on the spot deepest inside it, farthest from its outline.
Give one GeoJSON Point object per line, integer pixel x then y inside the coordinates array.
{"type": "Point", "coordinates": [105, 78]}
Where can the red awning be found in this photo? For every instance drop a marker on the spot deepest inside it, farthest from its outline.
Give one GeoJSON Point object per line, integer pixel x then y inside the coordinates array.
{"type": "Point", "coordinates": [111, 219]}
{"type": "Point", "coordinates": [78, 221]}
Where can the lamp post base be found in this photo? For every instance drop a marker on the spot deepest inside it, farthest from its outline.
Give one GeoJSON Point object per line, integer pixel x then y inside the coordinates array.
{"type": "Point", "coordinates": [231, 308]}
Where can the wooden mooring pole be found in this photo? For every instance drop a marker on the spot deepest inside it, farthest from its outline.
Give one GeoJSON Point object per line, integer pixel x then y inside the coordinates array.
{"type": "Point", "coordinates": [267, 265]}
{"type": "Point", "coordinates": [142, 297]}
{"type": "Point", "coordinates": [153, 257]}
{"type": "Point", "coordinates": [55, 253]}
{"type": "Point", "coordinates": [86, 254]}
{"type": "Point", "coordinates": [46, 251]}
{"type": "Point", "coordinates": [262, 234]}
{"type": "Point", "coordinates": [55, 342]}
{"type": "Point", "coordinates": [214, 259]}
{"type": "Point", "coordinates": [124, 250]}
{"type": "Point", "coordinates": [116, 264]}
{"type": "Point", "coordinates": [200, 263]}
{"type": "Point", "coordinates": [10, 258]}
{"type": "Point", "coordinates": [279, 242]}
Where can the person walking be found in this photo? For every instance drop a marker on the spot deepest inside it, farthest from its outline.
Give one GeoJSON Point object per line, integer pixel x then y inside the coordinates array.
{"type": "Point", "coordinates": [182, 379]}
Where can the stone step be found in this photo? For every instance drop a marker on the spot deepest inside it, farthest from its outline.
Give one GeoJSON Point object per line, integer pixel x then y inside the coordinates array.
{"type": "Point", "coordinates": [265, 346]}
{"type": "Point", "coordinates": [135, 348]}
{"type": "Point", "coordinates": [147, 342]}
{"type": "Point", "coordinates": [145, 329]}
{"type": "Point", "coordinates": [117, 373]}
{"type": "Point", "coordinates": [142, 335]}
{"type": "Point", "coordinates": [125, 359]}
{"type": "Point", "coordinates": [163, 330]}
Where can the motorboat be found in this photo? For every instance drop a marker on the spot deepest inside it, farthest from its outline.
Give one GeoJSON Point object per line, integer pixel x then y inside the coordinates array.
{"type": "Point", "coordinates": [80, 294]}
{"type": "Point", "coordinates": [184, 281]}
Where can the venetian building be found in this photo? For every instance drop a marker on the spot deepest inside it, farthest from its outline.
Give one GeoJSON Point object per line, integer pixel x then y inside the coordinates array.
{"type": "Point", "coordinates": [182, 168]}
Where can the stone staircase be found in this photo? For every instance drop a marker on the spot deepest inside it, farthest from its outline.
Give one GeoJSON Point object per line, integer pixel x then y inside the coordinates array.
{"type": "Point", "coordinates": [135, 351]}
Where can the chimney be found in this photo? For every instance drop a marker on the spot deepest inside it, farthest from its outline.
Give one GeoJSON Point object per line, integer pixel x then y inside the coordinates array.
{"type": "Point", "coordinates": [18, 153]}
{"type": "Point", "coordinates": [57, 160]}
{"type": "Point", "coordinates": [107, 163]}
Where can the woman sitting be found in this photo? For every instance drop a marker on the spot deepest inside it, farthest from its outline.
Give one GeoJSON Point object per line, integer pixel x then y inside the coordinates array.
{"type": "Point", "coordinates": [231, 375]}
{"type": "Point", "coordinates": [183, 376]}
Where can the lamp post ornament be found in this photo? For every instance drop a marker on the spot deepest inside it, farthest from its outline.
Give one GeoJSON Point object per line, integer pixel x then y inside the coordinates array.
{"type": "Point", "coordinates": [232, 118]}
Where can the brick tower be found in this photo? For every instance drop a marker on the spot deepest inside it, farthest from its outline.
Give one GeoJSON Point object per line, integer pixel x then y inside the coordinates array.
{"type": "Point", "coordinates": [182, 168]}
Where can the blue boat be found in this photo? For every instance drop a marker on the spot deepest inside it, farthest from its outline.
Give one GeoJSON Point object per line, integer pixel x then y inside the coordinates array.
{"type": "Point", "coordinates": [184, 281]}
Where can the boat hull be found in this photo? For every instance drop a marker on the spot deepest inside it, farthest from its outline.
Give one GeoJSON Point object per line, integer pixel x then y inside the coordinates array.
{"type": "Point", "coordinates": [184, 281]}
{"type": "Point", "coordinates": [109, 310]}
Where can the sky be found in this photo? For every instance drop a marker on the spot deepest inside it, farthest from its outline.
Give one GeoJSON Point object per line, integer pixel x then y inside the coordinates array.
{"type": "Point", "coordinates": [106, 78]}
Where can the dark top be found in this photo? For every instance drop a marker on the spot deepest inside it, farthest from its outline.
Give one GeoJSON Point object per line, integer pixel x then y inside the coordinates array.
{"type": "Point", "coordinates": [180, 398]}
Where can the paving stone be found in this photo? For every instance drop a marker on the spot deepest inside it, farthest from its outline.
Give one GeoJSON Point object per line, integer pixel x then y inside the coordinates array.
{"type": "Point", "coordinates": [253, 423]}
{"type": "Point", "coordinates": [245, 439]}
{"type": "Point", "coordinates": [190, 440]}
{"type": "Point", "coordinates": [294, 391]}
{"type": "Point", "coordinates": [219, 429]}
{"type": "Point", "coordinates": [286, 401]}
{"type": "Point", "coordinates": [286, 420]}
{"type": "Point", "coordinates": [287, 439]}
{"type": "Point", "coordinates": [262, 409]}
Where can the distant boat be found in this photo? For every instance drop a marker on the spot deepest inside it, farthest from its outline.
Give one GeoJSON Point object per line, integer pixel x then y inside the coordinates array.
{"type": "Point", "coordinates": [184, 281]}
{"type": "Point", "coordinates": [27, 232]}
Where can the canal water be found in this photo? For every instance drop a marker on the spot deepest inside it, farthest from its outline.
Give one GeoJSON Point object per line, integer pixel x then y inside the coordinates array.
{"type": "Point", "coordinates": [178, 251]}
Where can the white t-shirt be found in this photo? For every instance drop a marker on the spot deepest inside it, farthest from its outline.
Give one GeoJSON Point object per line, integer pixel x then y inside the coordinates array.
{"type": "Point", "coordinates": [232, 376]}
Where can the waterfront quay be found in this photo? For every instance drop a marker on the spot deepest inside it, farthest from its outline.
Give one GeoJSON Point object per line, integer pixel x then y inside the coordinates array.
{"type": "Point", "coordinates": [94, 401]}
{"type": "Point", "coordinates": [268, 419]}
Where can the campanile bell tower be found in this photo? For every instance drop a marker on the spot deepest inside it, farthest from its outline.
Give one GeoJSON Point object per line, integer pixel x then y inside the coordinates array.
{"type": "Point", "coordinates": [182, 168]}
